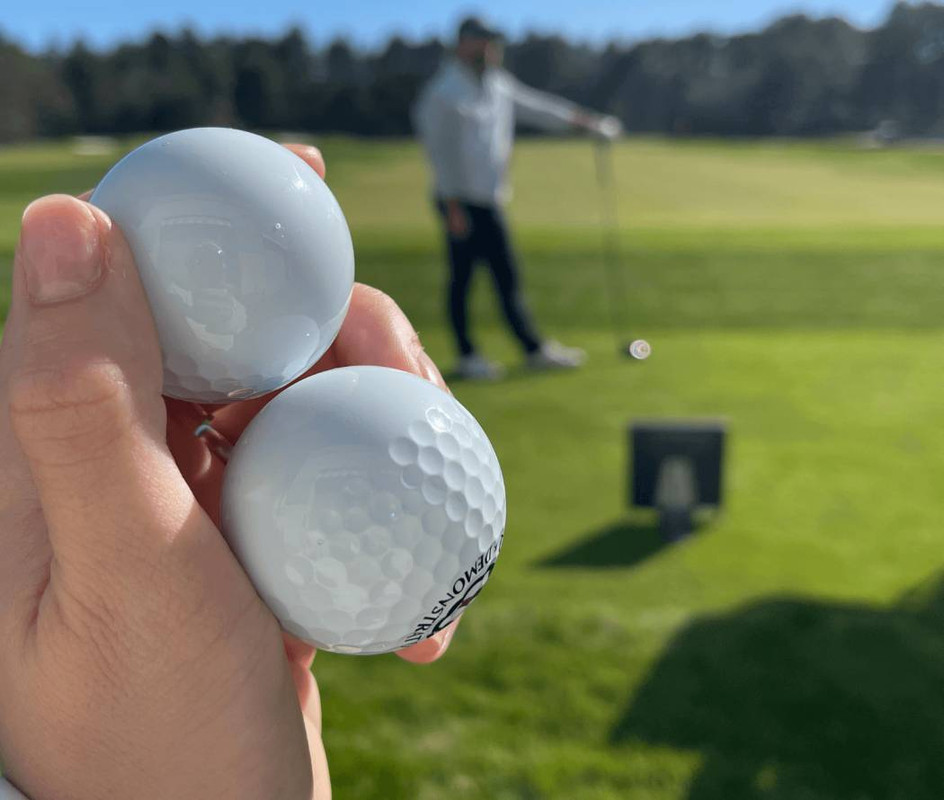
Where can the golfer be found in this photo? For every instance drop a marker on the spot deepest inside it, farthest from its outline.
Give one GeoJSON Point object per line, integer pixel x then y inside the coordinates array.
{"type": "Point", "coordinates": [466, 120]}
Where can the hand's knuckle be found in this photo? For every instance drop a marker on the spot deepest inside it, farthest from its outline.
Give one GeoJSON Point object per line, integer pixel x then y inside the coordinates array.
{"type": "Point", "coordinates": [81, 384]}
{"type": "Point", "coordinates": [81, 407]}
{"type": "Point", "coordinates": [380, 300]}
{"type": "Point", "coordinates": [96, 633]}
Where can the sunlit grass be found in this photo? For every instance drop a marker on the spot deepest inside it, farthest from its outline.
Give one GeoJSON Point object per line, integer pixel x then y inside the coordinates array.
{"type": "Point", "coordinates": [795, 289]}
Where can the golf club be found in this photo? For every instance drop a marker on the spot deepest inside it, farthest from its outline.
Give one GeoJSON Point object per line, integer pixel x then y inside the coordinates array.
{"type": "Point", "coordinates": [637, 349]}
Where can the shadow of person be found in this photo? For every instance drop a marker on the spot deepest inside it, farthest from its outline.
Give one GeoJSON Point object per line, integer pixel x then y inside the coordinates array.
{"type": "Point", "coordinates": [511, 373]}
{"type": "Point", "coordinates": [620, 544]}
{"type": "Point", "coordinates": [790, 698]}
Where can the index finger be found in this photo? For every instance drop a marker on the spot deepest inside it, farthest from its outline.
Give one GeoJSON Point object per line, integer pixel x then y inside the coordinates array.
{"type": "Point", "coordinates": [375, 332]}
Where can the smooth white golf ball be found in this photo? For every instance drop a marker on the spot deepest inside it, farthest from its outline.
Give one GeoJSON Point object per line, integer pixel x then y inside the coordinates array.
{"type": "Point", "coordinates": [640, 349]}
{"type": "Point", "coordinates": [367, 506]}
{"type": "Point", "coordinates": [244, 253]}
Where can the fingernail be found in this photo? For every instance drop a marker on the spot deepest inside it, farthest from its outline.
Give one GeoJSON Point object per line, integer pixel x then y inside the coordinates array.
{"type": "Point", "coordinates": [444, 637]}
{"type": "Point", "coordinates": [61, 249]}
{"type": "Point", "coordinates": [314, 154]}
{"type": "Point", "coordinates": [430, 370]}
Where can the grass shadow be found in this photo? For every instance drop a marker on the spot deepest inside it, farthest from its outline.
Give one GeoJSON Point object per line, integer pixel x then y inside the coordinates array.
{"type": "Point", "coordinates": [789, 698]}
{"type": "Point", "coordinates": [622, 544]}
{"type": "Point", "coordinates": [513, 373]}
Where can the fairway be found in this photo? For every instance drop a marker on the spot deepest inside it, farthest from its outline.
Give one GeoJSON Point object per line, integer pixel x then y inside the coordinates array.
{"type": "Point", "coordinates": [792, 649]}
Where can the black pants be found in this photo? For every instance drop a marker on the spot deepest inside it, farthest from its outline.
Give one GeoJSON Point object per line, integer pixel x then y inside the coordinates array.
{"type": "Point", "coordinates": [487, 241]}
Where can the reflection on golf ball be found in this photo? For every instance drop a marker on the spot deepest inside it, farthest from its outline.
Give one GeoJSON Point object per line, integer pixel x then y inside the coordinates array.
{"type": "Point", "coordinates": [244, 254]}
{"type": "Point", "coordinates": [368, 508]}
{"type": "Point", "coordinates": [640, 349]}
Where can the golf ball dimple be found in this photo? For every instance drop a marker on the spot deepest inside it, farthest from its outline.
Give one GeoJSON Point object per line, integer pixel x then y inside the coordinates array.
{"type": "Point", "coordinates": [244, 253]}
{"type": "Point", "coordinates": [367, 506]}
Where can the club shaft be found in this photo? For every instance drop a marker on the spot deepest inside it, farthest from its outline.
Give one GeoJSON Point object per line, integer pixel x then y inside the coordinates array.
{"type": "Point", "coordinates": [612, 255]}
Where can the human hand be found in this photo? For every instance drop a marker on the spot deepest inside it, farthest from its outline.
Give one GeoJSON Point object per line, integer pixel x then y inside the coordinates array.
{"type": "Point", "coordinates": [457, 221]}
{"type": "Point", "coordinates": [138, 661]}
{"type": "Point", "coordinates": [607, 127]}
{"type": "Point", "coordinates": [604, 127]}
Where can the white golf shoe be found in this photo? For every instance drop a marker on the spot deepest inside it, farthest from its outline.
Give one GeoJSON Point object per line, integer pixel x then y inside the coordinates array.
{"type": "Point", "coordinates": [553, 355]}
{"type": "Point", "coordinates": [478, 368]}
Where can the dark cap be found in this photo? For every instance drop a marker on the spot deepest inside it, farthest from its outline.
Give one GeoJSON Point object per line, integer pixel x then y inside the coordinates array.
{"type": "Point", "coordinates": [475, 28]}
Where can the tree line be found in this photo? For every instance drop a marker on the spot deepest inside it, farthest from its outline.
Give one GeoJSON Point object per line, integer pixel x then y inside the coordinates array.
{"type": "Point", "coordinates": [797, 77]}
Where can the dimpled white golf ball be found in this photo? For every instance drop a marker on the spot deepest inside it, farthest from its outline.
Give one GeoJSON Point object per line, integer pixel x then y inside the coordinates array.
{"type": "Point", "coordinates": [367, 506]}
{"type": "Point", "coordinates": [244, 253]}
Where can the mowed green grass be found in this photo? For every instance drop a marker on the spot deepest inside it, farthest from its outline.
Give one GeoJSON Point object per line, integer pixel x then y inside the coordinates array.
{"type": "Point", "coordinates": [794, 648]}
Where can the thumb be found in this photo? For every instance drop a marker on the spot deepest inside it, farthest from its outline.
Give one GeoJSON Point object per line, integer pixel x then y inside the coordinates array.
{"type": "Point", "coordinates": [85, 391]}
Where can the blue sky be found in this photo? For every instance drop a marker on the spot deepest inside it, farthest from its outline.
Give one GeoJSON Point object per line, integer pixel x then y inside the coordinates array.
{"type": "Point", "coordinates": [40, 22]}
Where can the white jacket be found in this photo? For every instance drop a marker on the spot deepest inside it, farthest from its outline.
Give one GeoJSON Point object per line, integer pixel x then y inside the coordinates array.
{"type": "Point", "coordinates": [467, 126]}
